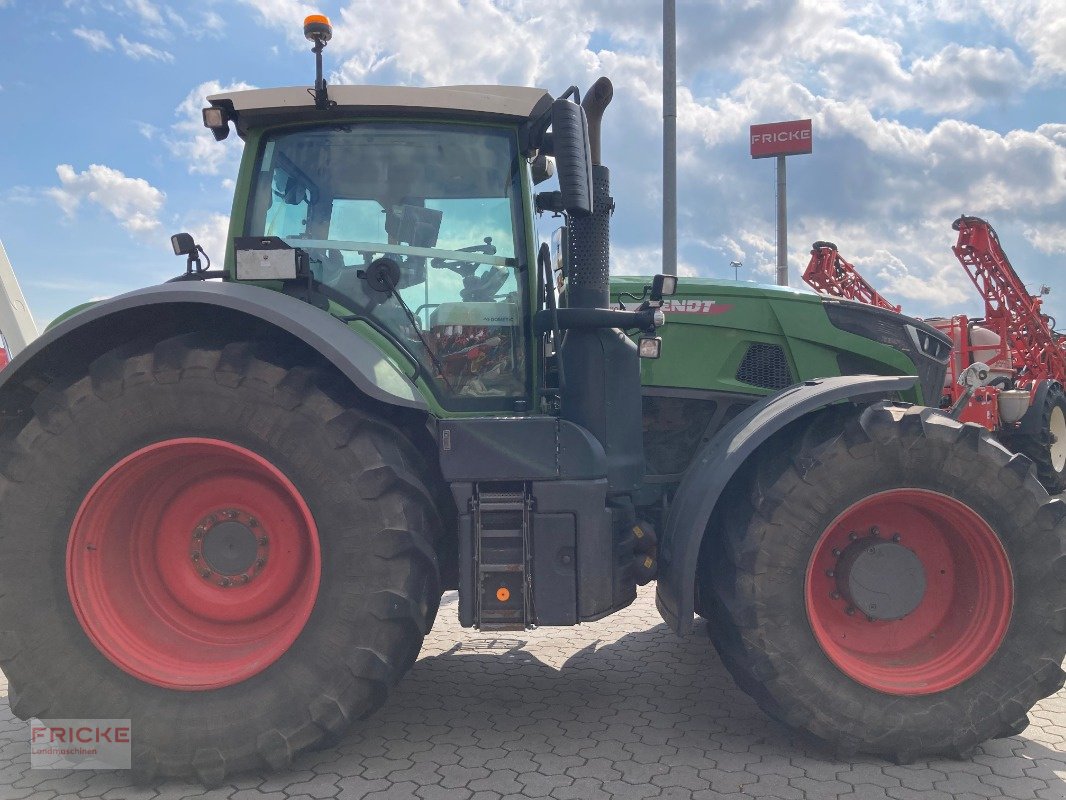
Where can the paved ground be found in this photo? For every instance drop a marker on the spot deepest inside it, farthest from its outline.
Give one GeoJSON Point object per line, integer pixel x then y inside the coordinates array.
{"type": "Point", "coordinates": [620, 708]}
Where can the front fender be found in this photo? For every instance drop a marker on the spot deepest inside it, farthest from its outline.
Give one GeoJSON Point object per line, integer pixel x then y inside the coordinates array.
{"type": "Point", "coordinates": [77, 340]}
{"type": "Point", "coordinates": [719, 460]}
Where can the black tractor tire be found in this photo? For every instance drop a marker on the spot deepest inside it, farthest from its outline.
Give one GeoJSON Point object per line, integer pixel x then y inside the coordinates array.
{"type": "Point", "coordinates": [760, 548]}
{"type": "Point", "coordinates": [1045, 449]}
{"type": "Point", "coordinates": [360, 477]}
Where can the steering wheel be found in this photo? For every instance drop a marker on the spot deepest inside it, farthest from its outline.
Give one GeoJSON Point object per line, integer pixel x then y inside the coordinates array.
{"type": "Point", "coordinates": [465, 269]}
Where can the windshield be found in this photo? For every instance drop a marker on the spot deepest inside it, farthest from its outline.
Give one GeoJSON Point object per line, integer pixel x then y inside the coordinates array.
{"type": "Point", "coordinates": [441, 200]}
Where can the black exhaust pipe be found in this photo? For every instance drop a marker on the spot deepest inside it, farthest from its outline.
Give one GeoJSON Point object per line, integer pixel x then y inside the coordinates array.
{"type": "Point", "coordinates": [590, 237]}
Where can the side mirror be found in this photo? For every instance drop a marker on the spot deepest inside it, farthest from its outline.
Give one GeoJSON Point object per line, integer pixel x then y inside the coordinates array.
{"type": "Point", "coordinates": [573, 157]}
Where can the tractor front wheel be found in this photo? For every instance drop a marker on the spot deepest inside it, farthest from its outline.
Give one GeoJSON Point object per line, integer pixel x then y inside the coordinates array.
{"type": "Point", "coordinates": [891, 581]}
{"type": "Point", "coordinates": [217, 544]}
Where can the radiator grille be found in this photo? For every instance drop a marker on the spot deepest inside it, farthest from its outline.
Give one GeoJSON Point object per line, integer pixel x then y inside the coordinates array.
{"type": "Point", "coordinates": [765, 366]}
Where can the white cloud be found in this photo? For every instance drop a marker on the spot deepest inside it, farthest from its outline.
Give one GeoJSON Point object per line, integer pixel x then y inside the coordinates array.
{"type": "Point", "coordinates": [141, 50]}
{"type": "Point", "coordinates": [134, 202]}
{"type": "Point", "coordinates": [210, 232]}
{"type": "Point", "coordinates": [191, 141]}
{"type": "Point", "coordinates": [1049, 238]}
{"type": "Point", "coordinates": [149, 12]}
{"type": "Point", "coordinates": [1038, 25]}
{"type": "Point", "coordinates": [97, 40]}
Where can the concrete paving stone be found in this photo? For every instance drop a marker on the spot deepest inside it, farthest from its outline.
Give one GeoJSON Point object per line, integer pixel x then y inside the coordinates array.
{"type": "Point", "coordinates": [728, 782]}
{"type": "Point", "coordinates": [519, 761]}
{"type": "Point", "coordinates": [396, 791]}
{"type": "Point", "coordinates": [501, 781]}
{"type": "Point", "coordinates": [424, 774]}
{"type": "Point", "coordinates": [633, 772]}
{"type": "Point", "coordinates": [140, 793]}
{"type": "Point", "coordinates": [683, 777]}
{"type": "Point", "coordinates": [1019, 788]}
{"type": "Point", "coordinates": [439, 754]}
{"type": "Point", "coordinates": [455, 776]}
{"type": "Point", "coordinates": [860, 774]}
{"type": "Point", "coordinates": [963, 782]}
{"type": "Point", "coordinates": [630, 791]}
{"type": "Point", "coordinates": [1052, 793]}
{"type": "Point", "coordinates": [358, 787]}
{"type": "Point", "coordinates": [866, 791]}
{"type": "Point", "coordinates": [776, 786]}
{"type": "Point", "coordinates": [904, 793]}
{"type": "Point", "coordinates": [254, 794]}
{"type": "Point", "coordinates": [437, 792]}
{"type": "Point", "coordinates": [383, 766]}
{"type": "Point", "coordinates": [813, 789]}
{"type": "Point", "coordinates": [649, 754]}
{"type": "Point", "coordinates": [914, 776]}
{"type": "Point", "coordinates": [537, 784]}
{"type": "Point", "coordinates": [775, 765]}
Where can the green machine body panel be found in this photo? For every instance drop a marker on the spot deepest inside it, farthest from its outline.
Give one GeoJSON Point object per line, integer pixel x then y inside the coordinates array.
{"type": "Point", "coordinates": [726, 344]}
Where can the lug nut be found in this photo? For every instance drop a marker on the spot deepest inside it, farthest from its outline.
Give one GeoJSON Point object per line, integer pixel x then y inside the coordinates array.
{"type": "Point", "coordinates": [259, 562]}
{"type": "Point", "coordinates": [264, 541]}
{"type": "Point", "coordinates": [896, 537]}
{"type": "Point", "coordinates": [224, 582]}
{"type": "Point", "coordinates": [875, 531]}
{"type": "Point", "coordinates": [231, 514]}
{"type": "Point", "coordinates": [834, 595]}
{"type": "Point", "coordinates": [836, 552]}
{"type": "Point", "coordinates": [245, 578]}
{"type": "Point", "coordinates": [195, 556]}
{"type": "Point", "coordinates": [853, 536]}
{"type": "Point", "coordinates": [830, 574]}
{"type": "Point", "coordinates": [253, 522]}
{"type": "Point", "coordinates": [849, 610]}
{"type": "Point", "coordinates": [205, 573]}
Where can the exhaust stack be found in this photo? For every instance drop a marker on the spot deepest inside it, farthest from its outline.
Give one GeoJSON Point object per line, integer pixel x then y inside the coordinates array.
{"type": "Point", "coordinates": [590, 237]}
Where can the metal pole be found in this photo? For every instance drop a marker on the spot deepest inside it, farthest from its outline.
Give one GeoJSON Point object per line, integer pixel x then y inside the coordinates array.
{"type": "Point", "coordinates": [16, 322]}
{"type": "Point", "coordinates": [782, 225]}
{"type": "Point", "coordinates": [669, 137]}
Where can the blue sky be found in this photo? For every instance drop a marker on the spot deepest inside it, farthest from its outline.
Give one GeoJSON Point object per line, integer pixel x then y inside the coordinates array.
{"type": "Point", "coordinates": [922, 111]}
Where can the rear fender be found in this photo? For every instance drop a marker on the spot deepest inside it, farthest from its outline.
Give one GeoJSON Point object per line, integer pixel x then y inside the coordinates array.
{"type": "Point", "coordinates": [175, 308]}
{"type": "Point", "coordinates": [719, 460]}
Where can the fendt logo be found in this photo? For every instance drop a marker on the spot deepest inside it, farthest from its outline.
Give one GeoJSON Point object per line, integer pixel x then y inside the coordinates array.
{"type": "Point", "coordinates": [781, 138]}
{"type": "Point", "coordinates": [694, 307]}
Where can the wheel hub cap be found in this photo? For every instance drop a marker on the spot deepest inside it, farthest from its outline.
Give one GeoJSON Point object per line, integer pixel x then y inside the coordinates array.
{"type": "Point", "coordinates": [229, 548]}
{"type": "Point", "coordinates": [882, 579]}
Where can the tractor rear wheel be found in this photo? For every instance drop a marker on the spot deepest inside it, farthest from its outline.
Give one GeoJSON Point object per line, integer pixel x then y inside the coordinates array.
{"type": "Point", "coordinates": [1047, 449]}
{"type": "Point", "coordinates": [217, 545]}
{"type": "Point", "coordinates": [892, 581]}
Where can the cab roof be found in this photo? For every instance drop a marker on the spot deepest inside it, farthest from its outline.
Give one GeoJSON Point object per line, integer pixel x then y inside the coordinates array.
{"type": "Point", "coordinates": [255, 108]}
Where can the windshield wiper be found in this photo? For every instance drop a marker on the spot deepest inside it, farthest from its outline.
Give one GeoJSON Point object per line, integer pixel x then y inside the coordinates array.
{"type": "Point", "coordinates": [429, 350]}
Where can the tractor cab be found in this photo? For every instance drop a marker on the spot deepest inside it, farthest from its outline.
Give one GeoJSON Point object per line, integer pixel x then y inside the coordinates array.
{"type": "Point", "coordinates": [442, 201]}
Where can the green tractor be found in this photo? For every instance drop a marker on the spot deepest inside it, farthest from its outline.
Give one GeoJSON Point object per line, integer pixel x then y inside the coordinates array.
{"type": "Point", "coordinates": [231, 502]}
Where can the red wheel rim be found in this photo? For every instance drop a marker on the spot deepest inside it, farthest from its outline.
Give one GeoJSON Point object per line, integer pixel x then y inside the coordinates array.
{"type": "Point", "coordinates": [959, 621]}
{"type": "Point", "coordinates": [193, 564]}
